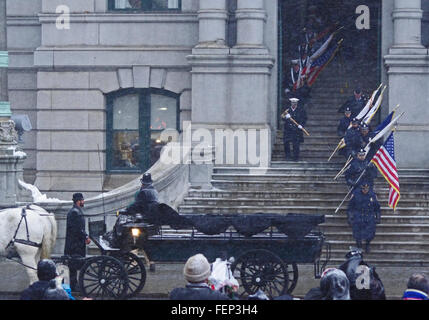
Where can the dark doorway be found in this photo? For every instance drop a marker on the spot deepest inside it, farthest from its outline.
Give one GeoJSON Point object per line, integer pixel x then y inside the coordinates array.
{"type": "Point", "coordinates": [358, 60]}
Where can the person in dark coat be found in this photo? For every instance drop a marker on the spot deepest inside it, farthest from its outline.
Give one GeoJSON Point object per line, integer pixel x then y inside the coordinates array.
{"type": "Point", "coordinates": [292, 133]}
{"type": "Point", "coordinates": [147, 198]}
{"type": "Point", "coordinates": [355, 103]}
{"type": "Point", "coordinates": [76, 238]}
{"type": "Point", "coordinates": [45, 288]}
{"type": "Point", "coordinates": [303, 92]}
{"type": "Point", "coordinates": [352, 139]}
{"type": "Point", "coordinates": [357, 166]}
{"type": "Point", "coordinates": [417, 288]}
{"type": "Point", "coordinates": [344, 123]}
{"type": "Point", "coordinates": [363, 214]}
{"type": "Point", "coordinates": [334, 285]}
{"type": "Point", "coordinates": [196, 272]}
{"type": "Point", "coordinates": [366, 136]}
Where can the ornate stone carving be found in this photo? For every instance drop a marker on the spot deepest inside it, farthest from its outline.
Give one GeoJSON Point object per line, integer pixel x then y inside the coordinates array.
{"type": "Point", "coordinates": [8, 134]}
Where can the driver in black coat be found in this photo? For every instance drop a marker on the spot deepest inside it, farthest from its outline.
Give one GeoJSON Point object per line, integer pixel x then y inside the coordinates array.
{"type": "Point", "coordinates": [76, 238]}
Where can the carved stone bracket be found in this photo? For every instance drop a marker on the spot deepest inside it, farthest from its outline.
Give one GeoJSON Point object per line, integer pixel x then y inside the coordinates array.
{"type": "Point", "coordinates": [8, 134]}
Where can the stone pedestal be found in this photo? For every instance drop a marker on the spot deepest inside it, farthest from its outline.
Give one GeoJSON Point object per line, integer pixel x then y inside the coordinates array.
{"type": "Point", "coordinates": [11, 167]}
{"type": "Point", "coordinates": [408, 71]}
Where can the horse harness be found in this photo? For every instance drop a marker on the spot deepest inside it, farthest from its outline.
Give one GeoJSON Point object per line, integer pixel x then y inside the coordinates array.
{"type": "Point", "coordinates": [22, 241]}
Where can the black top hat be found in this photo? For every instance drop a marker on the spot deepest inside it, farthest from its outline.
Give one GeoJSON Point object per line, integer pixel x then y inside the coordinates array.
{"type": "Point", "coordinates": [147, 179]}
{"type": "Point", "coordinates": [77, 196]}
{"type": "Point", "coordinates": [348, 110]}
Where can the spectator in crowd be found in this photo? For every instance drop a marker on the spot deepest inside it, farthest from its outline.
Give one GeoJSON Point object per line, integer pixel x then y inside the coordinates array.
{"type": "Point", "coordinates": [334, 285]}
{"type": "Point", "coordinates": [46, 288]}
{"type": "Point", "coordinates": [417, 288]}
{"type": "Point", "coordinates": [196, 272]}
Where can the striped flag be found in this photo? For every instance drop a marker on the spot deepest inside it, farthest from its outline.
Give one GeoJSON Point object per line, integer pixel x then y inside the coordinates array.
{"type": "Point", "coordinates": [320, 63]}
{"type": "Point", "coordinates": [384, 160]}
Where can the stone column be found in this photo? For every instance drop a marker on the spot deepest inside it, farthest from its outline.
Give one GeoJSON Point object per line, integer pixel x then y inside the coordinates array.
{"type": "Point", "coordinates": [212, 18]}
{"type": "Point", "coordinates": [407, 26]}
{"type": "Point", "coordinates": [408, 73]}
{"type": "Point", "coordinates": [251, 18]}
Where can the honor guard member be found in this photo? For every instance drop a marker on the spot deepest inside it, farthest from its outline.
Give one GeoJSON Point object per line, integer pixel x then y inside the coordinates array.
{"type": "Point", "coordinates": [292, 133]}
{"type": "Point", "coordinates": [357, 166]}
{"type": "Point", "coordinates": [76, 238]}
{"type": "Point", "coordinates": [366, 136]}
{"type": "Point", "coordinates": [363, 214]}
{"type": "Point", "coordinates": [344, 123]}
{"type": "Point", "coordinates": [302, 90]}
{"type": "Point", "coordinates": [355, 103]}
{"type": "Point", "coordinates": [352, 139]}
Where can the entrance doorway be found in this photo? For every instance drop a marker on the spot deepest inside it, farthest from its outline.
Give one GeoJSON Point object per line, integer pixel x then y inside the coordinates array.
{"type": "Point", "coordinates": [305, 26]}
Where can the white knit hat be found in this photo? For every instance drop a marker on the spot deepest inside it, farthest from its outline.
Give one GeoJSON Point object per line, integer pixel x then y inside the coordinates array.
{"type": "Point", "coordinates": [197, 269]}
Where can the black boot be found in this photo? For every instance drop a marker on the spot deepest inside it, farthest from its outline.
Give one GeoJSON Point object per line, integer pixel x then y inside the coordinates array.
{"type": "Point", "coordinates": [367, 248]}
{"type": "Point", "coordinates": [359, 244]}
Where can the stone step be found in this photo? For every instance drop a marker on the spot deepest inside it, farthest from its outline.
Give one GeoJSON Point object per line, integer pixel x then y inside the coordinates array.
{"type": "Point", "coordinates": [389, 258]}
{"type": "Point", "coordinates": [303, 177]}
{"type": "Point", "coordinates": [306, 164]}
{"type": "Point", "coordinates": [409, 246]}
{"type": "Point", "coordinates": [322, 203]}
{"type": "Point", "coordinates": [328, 170]}
{"type": "Point", "coordinates": [327, 184]}
{"type": "Point", "coordinates": [380, 236]}
{"type": "Point", "coordinates": [381, 228]}
{"type": "Point", "coordinates": [228, 209]}
{"type": "Point", "coordinates": [293, 193]}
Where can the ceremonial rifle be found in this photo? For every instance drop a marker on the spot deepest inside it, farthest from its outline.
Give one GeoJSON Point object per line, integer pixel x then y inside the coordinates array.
{"type": "Point", "coordinates": [296, 123]}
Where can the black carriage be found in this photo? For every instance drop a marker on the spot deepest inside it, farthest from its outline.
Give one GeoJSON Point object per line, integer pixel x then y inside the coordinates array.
{"type": "Point", "coordinates": [267, 249]}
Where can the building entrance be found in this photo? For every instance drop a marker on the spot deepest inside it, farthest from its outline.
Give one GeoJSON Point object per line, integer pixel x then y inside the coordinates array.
{"type": "Point", "coordinates": [312, 29]}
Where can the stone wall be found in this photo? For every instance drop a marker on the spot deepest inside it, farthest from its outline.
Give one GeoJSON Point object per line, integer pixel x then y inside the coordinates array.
{"type": "Point", "coordinates": [23, 38]}
{"type": "Point", "coordinates": [102, 52]}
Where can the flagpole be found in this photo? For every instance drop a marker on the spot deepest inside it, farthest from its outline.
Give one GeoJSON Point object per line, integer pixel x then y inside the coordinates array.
{"type": "Point", "coordinates": [353, 188]}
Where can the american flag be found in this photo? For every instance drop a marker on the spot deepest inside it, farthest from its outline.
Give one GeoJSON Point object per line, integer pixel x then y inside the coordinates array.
{"type": "Point", "coordinates": [384, 160]}
{"type": "Point", "coordinates": [320, 63]}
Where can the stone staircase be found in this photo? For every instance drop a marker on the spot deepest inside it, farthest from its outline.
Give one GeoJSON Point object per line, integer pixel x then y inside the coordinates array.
{"type": "Point", "coordinates": [307, 186]}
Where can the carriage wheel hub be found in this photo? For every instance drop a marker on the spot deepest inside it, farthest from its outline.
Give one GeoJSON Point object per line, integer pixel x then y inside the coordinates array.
{"type": "Point", "coordinates": [102, 281]}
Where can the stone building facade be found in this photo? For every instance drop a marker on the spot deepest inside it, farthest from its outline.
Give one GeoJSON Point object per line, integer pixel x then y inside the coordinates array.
{"type": "Point", "coordinates": [77, 66]}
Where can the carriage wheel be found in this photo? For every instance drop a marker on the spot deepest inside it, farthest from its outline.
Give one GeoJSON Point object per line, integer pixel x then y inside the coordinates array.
{"type": "Point", "coordinates": [136, 271]}
{"type": "Point", "coordinates": [292, 276]}
{"type": "Point", "coordinates": [261, 269]}
{"type": "Point", "coordinates": [103, 277]}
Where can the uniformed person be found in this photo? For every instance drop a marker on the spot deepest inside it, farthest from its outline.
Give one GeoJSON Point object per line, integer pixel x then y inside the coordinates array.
{"type": "Point", "coordinates": [355, 103]}
{"type": "Point", "coordinates": [363, 214]}
{"type": "Point", "coordinates": [76, 238]}
{"type": "Point", "coordinates": [357, 166]}
{"type": "Point", "coordinates": [366, 136]}
{"type": "Point", "coordinates": [297, 86]}
{"type": "Point", "coordinates": [352, 139]}
{"type": "Point", "coordinates": [344, 123]}
{"type": "Point", "coordinates": [292, 133]}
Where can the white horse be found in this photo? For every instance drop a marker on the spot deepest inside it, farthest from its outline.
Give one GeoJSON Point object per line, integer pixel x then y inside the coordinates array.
{"type": "Point", "coordinates": [42, 230]}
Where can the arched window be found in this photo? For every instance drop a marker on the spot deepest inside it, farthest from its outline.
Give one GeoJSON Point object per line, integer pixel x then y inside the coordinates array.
{"type": "Point", "coordinates": [135, 121]}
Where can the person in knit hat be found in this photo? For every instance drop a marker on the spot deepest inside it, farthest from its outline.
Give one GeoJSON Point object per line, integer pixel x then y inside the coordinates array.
{"type": "Point", "coordinates": [196, 272]}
